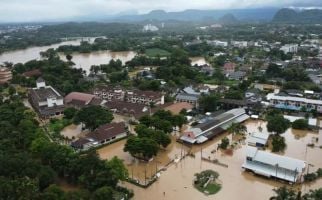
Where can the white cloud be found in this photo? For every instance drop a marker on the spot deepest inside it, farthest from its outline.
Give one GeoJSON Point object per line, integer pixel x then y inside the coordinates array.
{"type": "Point", "coordinates": [42, 10]}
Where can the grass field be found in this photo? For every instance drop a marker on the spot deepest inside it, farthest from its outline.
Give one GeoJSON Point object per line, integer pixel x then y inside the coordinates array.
{"type": "Point", "coordinates": [155, 52]}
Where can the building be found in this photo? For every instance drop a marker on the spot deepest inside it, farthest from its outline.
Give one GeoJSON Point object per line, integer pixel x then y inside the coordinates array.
{"type": "Point", "coordinates": [128, 109]}
{"type": "Point", "coordinates": [239, 44]}
{"type": "Point", "coordinates": [150, 27]}
{"type": "Point", "coordinates": [144, 97]}
{"type": "Point", "coordinates": [238, 75]}
{"type": "Point", "coordinates": [289, 48]}
{"type": "Point", "coordinates": [46, 100]}
{"type": "Point", "coordinates": [213, 126]}
{"type": "Point", "coordinates": [132, 96]}
{"type": "Point", "coordinates": [109, 93]}
{"type": "Point", "coordinates": [5, 75]}
{"type": "Point", "coordinates": [217, 43]}
{"type": "Point", "coordinates": [258, 139]}
{"type": "Point", "coordinates": [189, 98]}
{"type": "Point", "coordinates": [79, 100]}
{"type": "Point", "coordinates": [266, 87]}
{"type": "Point", "coordinates": [102, 135]}
{"type": "Point", "coordinates": [294, 103]}
{"type": "Point", "coordinates": [229, 67]}
{"type": "Point", "coordinates": [273, 165]}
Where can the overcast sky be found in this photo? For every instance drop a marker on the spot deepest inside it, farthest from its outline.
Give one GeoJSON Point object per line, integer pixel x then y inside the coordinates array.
{"type": "Point", "coordinates": [42, 10]}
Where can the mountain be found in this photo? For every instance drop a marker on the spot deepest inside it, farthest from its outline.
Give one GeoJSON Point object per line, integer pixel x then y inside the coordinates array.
{"type": "Point", "coordinates": [260, 14]}
{"type": "Point", "coordinates": [228, 19]}
{"type": "Point", "coordinates": [286, 15]}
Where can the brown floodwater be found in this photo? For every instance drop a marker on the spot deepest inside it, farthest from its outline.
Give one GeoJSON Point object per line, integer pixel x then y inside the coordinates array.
{"type": "Point", "coordinates": [24, 55]}
{"type": "Point", "coordinates": [72, 131]}
{"type": "Point", "coordinates": [176, 181]}
{"type": "Point", "coordinates": [86, 60]}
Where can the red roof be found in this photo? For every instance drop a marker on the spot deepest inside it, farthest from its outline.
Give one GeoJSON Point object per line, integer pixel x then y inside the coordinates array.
{"type": "Point", "coordinates": [78, 96]}
{"type": "Point", "coordinates": [107, 131]}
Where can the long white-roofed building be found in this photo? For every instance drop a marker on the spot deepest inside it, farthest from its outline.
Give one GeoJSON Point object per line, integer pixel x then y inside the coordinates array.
{"type": "Point", "coordinates": [272, 165]}
{"type": "Point", "coordinates": [294, 103]}
{"type": "Point", "coordinates": [211, 128]}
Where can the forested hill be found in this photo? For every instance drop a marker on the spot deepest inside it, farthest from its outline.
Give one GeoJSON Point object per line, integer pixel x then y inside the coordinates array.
{"type": "Point", "coordinates": [285, 15]}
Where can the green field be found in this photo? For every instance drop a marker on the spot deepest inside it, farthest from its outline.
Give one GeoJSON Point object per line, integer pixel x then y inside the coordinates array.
{"type": "Point", "coordinates": [153, 52]}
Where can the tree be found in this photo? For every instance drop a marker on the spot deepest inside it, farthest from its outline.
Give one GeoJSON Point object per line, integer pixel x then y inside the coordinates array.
{"type": "Point", "coordinates": [237, 128]}
{"type": "Point", "coordinates": [117, 168]}
{"type": "Point", "coordinates": [69, 57]}
{"type": "Point", "coordinates": [301, 124]}
{"type": "Point", "coordinates": [277, 124]}
{"type": "Point", "coordinates": [278, 143]}
{"type": "Point", "coordinates": [284, 193]}
{"type": "Point", "coordinates": [104, 193]}
{"type": "Point", "coordinates": [144, 148]}
{"type": "Point", "coordinates": [69, 113]}
{"type": "Point", "coordinates": [209, 103]}
{"type": "Point", "coordinates": [93, 117]}
{"type": "Point", "coordinates": [313, 195]}
{"type": "Point", "coordinates": [224, 143]}
{"type": "Point", "coordinates": [46, 177]}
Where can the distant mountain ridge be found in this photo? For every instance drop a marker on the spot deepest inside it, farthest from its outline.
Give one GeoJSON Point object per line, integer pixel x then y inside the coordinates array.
{"type": "Point", "coordinates": [286, 15]}
{"type": "Point", "coordinates": [261, 14]}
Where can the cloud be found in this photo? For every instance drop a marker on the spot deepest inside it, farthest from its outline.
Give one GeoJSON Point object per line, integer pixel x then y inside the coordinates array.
{"type": "Point", "coordinates": [43, 10]}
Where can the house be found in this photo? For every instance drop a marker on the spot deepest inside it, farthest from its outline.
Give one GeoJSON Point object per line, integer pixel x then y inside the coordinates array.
{"type": "Point", "coordinates": [229, 67]}
{"type": "Point", "coordinates": [266, 87]}
{"type": "Point", "coordinates": [239, 44]}
{"type": "Point", "coordinates": [213, 126]}
{"type": "Point", "coordinates": [189, 98]}
{"type": "Point", "coordinates": [144, 97]}
{"type": "Point", "coordinates": [289, 48]}
{"type": "Point", "coordinates": [127, 108]}
{"type": "Point", "coordinates": [32, 73]}
{"type": "Point", "coordinates": [79, 100]}
{"type": "Point", "coordinates": [273, 165]}
{"type": "Point", "coordinates": [258, 139]}
{"type": "Point", "coordinates": [189, 95]}
{"type": "Point", "coordinates": [46, 100]}
{"type": "Point", "coordinates": [5, 75]}
{"type": "Point", "coordinates": [109, 93]}
{"type": "Point", "coordinates": [238, 75]}
{"type": "Point", "coordinates": [294, 103]}
{"type": "Point", "coordinates": [104, 134]}
{"type": "Point", "coordinates": [132, 96]}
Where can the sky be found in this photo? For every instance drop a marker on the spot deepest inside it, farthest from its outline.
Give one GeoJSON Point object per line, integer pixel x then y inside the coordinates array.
{"type": "Point", "coordinates": [55, 10]}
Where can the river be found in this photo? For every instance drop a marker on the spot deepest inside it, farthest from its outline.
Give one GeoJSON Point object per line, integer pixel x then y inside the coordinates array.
{"type": "Point", "coordinates": [81, 60]}
{"type": "Point", "coordinates": [177, 180]}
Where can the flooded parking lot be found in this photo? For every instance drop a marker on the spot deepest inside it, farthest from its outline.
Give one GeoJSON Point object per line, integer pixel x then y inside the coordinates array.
{"type": "Point", "coordinates": [177, 180]}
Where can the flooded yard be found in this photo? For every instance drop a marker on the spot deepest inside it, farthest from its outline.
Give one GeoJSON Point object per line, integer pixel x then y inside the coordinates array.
{"type": "Point", "coordinates": [72, 131]}
{"type": "Point", "coordinates": [177, 180]}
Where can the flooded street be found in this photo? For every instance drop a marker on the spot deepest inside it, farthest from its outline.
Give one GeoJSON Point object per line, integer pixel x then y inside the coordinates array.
{"type": "Point", "coordinates": [177, 180]}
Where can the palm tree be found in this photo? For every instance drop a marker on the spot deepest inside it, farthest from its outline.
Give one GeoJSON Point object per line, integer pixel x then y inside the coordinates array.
{"type": "Point", "coordinates": [237, 129]}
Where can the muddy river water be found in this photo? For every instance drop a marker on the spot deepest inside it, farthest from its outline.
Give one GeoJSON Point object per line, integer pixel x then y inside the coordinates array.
{"type": "Point", "coordinates": [177, 180]}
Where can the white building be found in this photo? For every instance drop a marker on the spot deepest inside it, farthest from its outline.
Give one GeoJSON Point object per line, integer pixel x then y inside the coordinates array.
{"type": "Point", "coordinates": [258, 139]}
{"type": "Point", "coordinates": [294, 103]}
{"type": "Point", "coordinates": [273, 165]}
{"type": "Point", "coordinates": [289, 48]}
{"type": "Point", "coordinates": [239, 44]}
{"type": "Point", "coordinates": [217, 43]}
{"type": "Point", "coordinates": [150, 27]}
{"type": "Point", "coordinates": [46, 100]}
